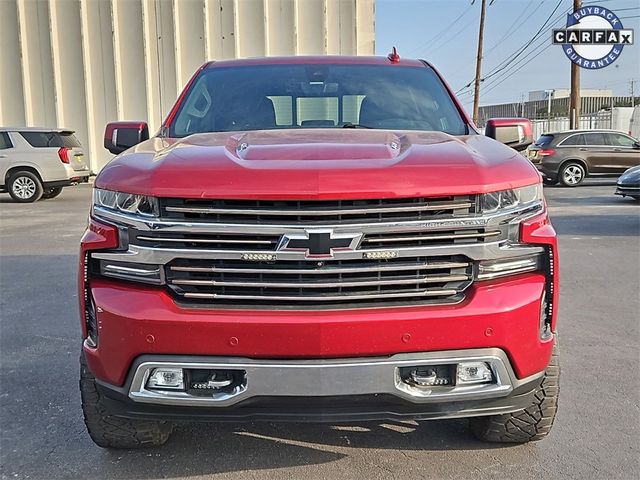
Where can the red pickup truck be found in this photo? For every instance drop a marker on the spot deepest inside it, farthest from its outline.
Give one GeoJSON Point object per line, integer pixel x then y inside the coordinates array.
{"type": "Point", "coordinates": [317, 239]}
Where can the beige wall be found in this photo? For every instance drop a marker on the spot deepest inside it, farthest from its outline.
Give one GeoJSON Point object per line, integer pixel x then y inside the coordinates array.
{"type": "Point", "coordinates": [81, 63]}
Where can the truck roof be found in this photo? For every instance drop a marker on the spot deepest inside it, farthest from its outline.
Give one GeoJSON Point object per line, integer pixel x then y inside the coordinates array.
{"type": "Point", "coordinates": [594, 130]}
{"type": "Point", "coordinates": [36, 129]}
{"type": "Point", "coordinates": [317, 59]}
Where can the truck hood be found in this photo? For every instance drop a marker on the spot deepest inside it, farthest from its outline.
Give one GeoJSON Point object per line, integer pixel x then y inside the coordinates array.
{"type": "Point", "coordinates": [317, 164]}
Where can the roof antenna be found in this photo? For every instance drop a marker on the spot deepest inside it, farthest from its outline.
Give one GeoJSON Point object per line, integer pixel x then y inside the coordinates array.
{"type": "Point", "coordinates": [393, 56]}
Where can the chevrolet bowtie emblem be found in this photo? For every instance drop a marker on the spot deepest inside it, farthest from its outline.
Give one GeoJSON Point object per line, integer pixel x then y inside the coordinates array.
{"type": "Point", "coordinates": [319, 243]}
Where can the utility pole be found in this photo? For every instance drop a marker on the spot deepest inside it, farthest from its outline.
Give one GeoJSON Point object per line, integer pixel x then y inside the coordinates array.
{"type": "Point", "coordinates": [574, 100]}
{"type": "Point", "coordinates": [476, 94]}
{"type": "Point", "coordinates": [549, 99]}
{"type": "Point", "coordinates": [633, 98]}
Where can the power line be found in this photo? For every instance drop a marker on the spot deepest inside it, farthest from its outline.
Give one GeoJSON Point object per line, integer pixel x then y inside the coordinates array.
{"type": "Point", "coordinates": [521, 51]}
{"type": "Point", "coordinates": [452, 34]}
{"type": "Point", "coordinates": [524, 60]}
{"type": "Point", "coordinates": [507, 63]}
{"type": "Point", "coordinates": [438, 35]}
{"type": "Point", "coordinates": [518, 66]}
{"type": "Point", "coordinates": [513, 28]}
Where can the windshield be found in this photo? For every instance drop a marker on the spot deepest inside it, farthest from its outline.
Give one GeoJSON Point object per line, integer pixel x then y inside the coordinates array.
{"type": "Point", "coordinates": [268, 97]}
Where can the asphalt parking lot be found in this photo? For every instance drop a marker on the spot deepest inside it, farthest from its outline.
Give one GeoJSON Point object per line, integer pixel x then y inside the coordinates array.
{"type": "Point", "coordinates": [597, 431]}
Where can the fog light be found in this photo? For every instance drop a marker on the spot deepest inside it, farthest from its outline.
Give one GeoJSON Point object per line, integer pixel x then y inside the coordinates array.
{"type": "Point", "coordinates": [470, 373]}
{"type": "Point", "coordinates": [166, 379]}
{"type": "Point", "coordinates": [427, 377]}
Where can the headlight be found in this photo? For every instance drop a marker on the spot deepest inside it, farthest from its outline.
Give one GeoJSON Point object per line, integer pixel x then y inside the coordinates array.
{"type": "Point", "coordinates": [126, 202]}
{"type": "Point", "coordinates": [519, 198]}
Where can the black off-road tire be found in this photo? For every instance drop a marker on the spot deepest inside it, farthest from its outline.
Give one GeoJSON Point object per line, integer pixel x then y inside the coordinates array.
{"type": "Point", "coordinates": [108, 431]}
{"type": "Point", "coordinates": [24, 186]}
{"type": "Point", "coordinates": [52, 192]}
{"type": "Point", "coordinates": [531, 424]}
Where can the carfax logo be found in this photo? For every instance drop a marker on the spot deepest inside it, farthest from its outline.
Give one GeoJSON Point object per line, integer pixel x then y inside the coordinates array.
{"type": "Point", "coordinates": [594, 37]}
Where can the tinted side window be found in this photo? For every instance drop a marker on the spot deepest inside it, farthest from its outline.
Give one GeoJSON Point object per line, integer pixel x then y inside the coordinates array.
{"type": "Point", "coordinates": [574, 140]}
{"type": "Point", "coordinates": [620, 140]}
{"type": "Point", "coordinates": [595, 139]}
{"type": "Point", "coordinates": [50, 139]}
{"type": "Point", "coordinates": [5, 142]}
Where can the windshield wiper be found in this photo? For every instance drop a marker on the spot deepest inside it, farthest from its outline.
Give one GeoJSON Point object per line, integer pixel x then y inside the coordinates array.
{"type": "Point", "coordinates": [354, 125]}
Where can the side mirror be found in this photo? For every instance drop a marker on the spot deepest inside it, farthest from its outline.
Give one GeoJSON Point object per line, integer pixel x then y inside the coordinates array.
{"type": "Point", "coordinates": [119, 136]}
{"type": "Point", "coordinates": [517, 133]}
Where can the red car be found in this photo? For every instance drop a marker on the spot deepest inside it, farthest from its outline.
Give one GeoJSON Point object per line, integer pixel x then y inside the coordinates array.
{"type": "Point", "coordinates": [317, 239]}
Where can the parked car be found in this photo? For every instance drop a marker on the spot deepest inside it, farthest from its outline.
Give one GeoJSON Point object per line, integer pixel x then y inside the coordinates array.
{"type": "Point", "coordinates": [628, 184]}
{"type": "Point", "coordinates": [318, 239]}
{"type": "Point", "coordinates": [38, 162]}
{"type": "Point", "coordinates": [569, 157]}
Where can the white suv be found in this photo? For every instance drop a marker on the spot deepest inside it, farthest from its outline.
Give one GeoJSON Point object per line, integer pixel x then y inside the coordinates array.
{"type": "Point", "coordinates": [38, 162]}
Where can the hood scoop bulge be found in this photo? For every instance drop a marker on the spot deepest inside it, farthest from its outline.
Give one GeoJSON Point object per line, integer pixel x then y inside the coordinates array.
{"type": "Point", "coordinates": [317, 144]}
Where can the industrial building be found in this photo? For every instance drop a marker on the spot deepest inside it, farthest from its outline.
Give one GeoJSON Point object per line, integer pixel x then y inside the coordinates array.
{"type": "Point", "coordinates": [79, 64]}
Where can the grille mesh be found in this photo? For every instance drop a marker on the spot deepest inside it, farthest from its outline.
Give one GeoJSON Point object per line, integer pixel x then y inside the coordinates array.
{"type": "Point", "coordinates": [304, 284]}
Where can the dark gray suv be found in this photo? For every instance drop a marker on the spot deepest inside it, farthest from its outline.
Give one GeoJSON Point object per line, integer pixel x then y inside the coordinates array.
{"type": "Point", "coordinates": [569, 157]}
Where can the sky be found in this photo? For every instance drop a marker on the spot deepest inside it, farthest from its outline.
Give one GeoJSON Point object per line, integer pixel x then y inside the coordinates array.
{"type": "Point", "coordinates": [445, 32]}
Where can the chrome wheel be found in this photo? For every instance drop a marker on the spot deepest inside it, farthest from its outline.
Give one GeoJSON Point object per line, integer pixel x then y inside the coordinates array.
{"type": "Point", "coordinates": [24, 188]}
{"type": "Point", "coordinates": [572, 174]}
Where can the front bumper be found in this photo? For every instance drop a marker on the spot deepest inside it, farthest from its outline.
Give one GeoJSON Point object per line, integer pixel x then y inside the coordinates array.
{"type": "Point", "coordinates": [135, 320]}
{"type": "Point", "coordinates": [549, 172]}
{"type": "Point", "coordinates": [628, 190]}
{"type": "Point", "coordinates": [324, 390]}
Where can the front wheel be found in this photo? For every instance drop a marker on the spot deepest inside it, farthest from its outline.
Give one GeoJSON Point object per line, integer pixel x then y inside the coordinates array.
{"type": "Point", "coordinates": [108, 431]}
{"type": "Point", "coordinates": [24, 187]}
{"type": "Point", "coordinates": [532, 423]}
{"type": "Point", "coordinates": [572, 174]}
{"type": "Point", "coordinates": [52, 192]}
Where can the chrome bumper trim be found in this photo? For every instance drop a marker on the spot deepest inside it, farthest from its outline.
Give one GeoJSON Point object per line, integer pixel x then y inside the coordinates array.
{"type": "Point", "coordinates": [330, 377]}
{"type": "Point", "coordinates": [161, 256]}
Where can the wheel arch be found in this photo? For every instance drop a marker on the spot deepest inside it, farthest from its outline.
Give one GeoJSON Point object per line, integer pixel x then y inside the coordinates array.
{"type": "Point", "coordinates": [20, 168]}
{"type": "Point", "coordinates": [574, 160]}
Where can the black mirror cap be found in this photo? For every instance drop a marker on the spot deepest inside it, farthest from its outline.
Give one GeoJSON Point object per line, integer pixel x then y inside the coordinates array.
{"type": "Point", "coordinates": [516, 133]}
{"type": "Point", "coordinates": [120, 136]}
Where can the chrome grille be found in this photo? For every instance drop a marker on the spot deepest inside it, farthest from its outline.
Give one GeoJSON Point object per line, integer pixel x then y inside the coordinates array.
{"type": "Point", "coordinates": [241, 253]}
{"type": "Point", "coordinates": [264, 242]}
{"type": "Point", "coordinates": [422, 238]}
{"type": "Point", "coordinates": [306, 284]}
{"type": "Point", "coordinates": [316, 212]}
{"type": "Point", "coordinates": [217, 241]}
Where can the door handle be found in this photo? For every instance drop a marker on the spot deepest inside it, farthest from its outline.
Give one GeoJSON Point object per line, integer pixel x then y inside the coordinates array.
{"type": "Point", "coordinates": [582, 149]}
{"type": "Point", "coordinates": [617, 150]}
{"type": "Point", "coordinates": [3, 156]}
